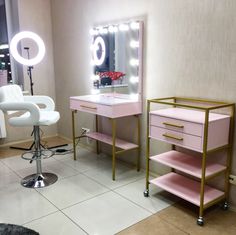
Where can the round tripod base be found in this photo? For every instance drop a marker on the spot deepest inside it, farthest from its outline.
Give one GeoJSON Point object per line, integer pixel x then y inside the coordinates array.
{"type": "Point", "coordinates": [39, 180]}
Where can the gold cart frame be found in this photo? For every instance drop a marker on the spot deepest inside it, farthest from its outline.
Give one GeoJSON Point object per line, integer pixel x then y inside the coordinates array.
{"type": "Point", "coordinates": [198, 104]}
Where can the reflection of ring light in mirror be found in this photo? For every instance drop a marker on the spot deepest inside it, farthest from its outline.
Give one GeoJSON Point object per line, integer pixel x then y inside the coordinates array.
{"type": "Point", "coordinates": [26, 34]}
{"type": "Point", "coordinates": [97, 41]}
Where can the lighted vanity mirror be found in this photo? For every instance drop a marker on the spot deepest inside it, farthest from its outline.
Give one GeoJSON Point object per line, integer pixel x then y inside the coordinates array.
{"type": "Point", "coordinates": [117, 58]}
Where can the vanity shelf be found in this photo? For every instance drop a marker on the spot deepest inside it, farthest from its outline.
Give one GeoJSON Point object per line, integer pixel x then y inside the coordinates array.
{"type": "Point", "coordinates": [122, 144]}
{"type": "Point", "coordinates": [202, 126]}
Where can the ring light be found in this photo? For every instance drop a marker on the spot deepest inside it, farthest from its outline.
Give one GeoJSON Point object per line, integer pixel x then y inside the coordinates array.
{"type": "Point", "coordinates": [97, 41]}
{"type": "Point", "coordinates": [26, 34]}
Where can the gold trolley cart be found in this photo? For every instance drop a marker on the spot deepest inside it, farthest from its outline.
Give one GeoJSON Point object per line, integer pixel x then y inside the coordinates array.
{"type": "Point", "coordinates": [191, 124]}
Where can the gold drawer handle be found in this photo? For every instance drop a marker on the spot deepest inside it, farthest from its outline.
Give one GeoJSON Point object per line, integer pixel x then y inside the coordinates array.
{"type": "Point", "coordinates": [88, 107]}
{"type": "Point", "coordinates": [172, 137]}
{"type": "Point", "coordinates": [174, 125]}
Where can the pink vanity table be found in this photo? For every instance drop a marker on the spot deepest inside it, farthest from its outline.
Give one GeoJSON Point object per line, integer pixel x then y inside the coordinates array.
{"type": "Point", "coordinates": [112, 106]}
{"type": "Point", "coordinates": [206, 127]}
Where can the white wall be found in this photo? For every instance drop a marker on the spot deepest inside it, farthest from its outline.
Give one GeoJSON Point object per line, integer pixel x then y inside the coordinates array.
{"type": "Point", "coordinates": [189, 49]}
{"type": "Point", "coordinates": [35, 16]}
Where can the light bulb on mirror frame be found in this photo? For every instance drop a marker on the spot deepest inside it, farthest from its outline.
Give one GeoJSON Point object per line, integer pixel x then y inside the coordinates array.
{"type": "Point", "coordinates": [134, 62]}
{"type": "Point", "coordinates": [134, 25]}
{"type": "Point", "coordinates": [134, 79]}
{"type": "Point", "coordinates": [134, 44]}
{"type": "Point", "coordinates": [123, 27]}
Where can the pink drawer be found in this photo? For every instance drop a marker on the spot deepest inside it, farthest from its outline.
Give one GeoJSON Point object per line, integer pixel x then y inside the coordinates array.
{"type": "Point", "coordinates": [84, 106]}
{"type": "Point", "coordinates": [181, 139]}
{"type": "Point", "coordinates": [176, 125]}
{"type": "Point", "coordinates": [112, 111]}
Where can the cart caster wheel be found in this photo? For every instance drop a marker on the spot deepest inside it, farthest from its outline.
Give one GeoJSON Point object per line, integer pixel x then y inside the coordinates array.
{"type": "Point", "coordinates": [146, 193]}
{"type": "Point", "coordinates": [200, 221]}
{"type": "Point", "coordinates": [225, 206]}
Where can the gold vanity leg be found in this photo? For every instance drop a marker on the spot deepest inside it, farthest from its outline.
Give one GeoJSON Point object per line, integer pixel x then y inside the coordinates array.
{"type": "Point", "coordinates": [97, 142]}
{"type": "Point", "coordinates": [73, 132]}
{"type": "Point", "coordinates": [113, 148]}
{"type": "Point", "coordinates": [146, 192]}
{"type": "Point", "coordinates": [201, 210]}
{"type": "Point", "coordinates": [229, 157]}
{"type": "Point", "coordinates": [139, 142]}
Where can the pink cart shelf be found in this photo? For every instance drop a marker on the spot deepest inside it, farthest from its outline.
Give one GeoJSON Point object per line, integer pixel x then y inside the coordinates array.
{"type": "Point", "coordinates": [186, 188]}
{"type": "Point", "coordinates": [188, 164]}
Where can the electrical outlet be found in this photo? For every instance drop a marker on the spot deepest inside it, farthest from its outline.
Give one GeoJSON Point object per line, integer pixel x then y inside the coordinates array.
{"type": "Point", "coordinates": [87, 130]}
{"type": "Point", "coordinates": [232, 179]}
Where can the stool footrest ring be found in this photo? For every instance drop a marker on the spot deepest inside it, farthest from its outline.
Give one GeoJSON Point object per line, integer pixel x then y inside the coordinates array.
{"type": "Point", "coordinates": [45, 153]}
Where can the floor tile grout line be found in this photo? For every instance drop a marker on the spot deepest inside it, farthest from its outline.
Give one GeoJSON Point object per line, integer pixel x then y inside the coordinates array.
{"type": "Point", "coordinates": [74, 222]}
{"type": "Point", "coordinates": [61, 210]}
{"type": "Point", "coordinates": [30, 221]}
{"type": "Point", "coordinates": [88, 199]}
{"type": "Point", "coordinates": [137, 203]}
{"type": "Point", "coordinates": [172, 224]}
{"type": "Point", "coordinates": [109, 190]}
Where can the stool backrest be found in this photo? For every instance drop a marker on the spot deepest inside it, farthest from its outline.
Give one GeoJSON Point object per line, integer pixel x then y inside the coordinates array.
{"type": "Point", "coordinates": [11, 93]}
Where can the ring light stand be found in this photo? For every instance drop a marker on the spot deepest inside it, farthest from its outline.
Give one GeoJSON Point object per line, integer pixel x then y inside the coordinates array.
{"type": "Point", "coordinates": [29, 62]}
{"type": "Point", "coordinates": [29, 72]}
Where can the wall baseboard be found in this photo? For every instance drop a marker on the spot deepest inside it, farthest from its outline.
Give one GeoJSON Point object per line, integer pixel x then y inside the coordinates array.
{"type": "Point", "coordinates": [26, 140]}
{"type": "Point", "coordinates": [232, 208]}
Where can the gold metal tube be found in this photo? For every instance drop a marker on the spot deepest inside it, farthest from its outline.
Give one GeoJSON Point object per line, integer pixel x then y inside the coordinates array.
{"type": "Point", "coordinates": [139, 142]}
{"type": "Point", "coordinates": [229, 152]}
{"type": "Point", "coordinates": [166, 98]}
{"type": "Point", "coordinates": [201, 100]}
{"type": "Point", "coordinates": [214, 201]}
{"type": "Point", "coordinates": [97, 142]}
{"type": "Point", "coordinates": [218, 149]}
{"type": "Point", "coordinates": [73, 132]}
{"type": "Point", "coordinates": [113, 148]}
{"type": "Point", "coordinates": [204, 163]}
{"type": "Point", "coordinates": [182, 105]}
{"type": "Point", "coordinates": [147, 147]}
{"type": "Point", "coordinates": [220, 106]}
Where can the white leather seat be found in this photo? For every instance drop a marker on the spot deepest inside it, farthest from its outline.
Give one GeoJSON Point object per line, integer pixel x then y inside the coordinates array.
{"type": "Point", "coordinates": [39, 111]}
{"type": "Point", "coordinates": [12, 99]}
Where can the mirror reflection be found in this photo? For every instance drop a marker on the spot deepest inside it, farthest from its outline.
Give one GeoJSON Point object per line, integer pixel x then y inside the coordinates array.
{"type": "Point", "coordinates": [116, 51]}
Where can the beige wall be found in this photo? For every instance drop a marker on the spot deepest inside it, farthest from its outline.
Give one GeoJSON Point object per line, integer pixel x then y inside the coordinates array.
{"type": "Point", "coordinates": [35, 16]}
{"type": "Point", "coordinates": [189, 49]}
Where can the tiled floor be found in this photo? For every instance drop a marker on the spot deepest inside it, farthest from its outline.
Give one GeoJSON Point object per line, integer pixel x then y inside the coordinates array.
{"type": "Point", "coordinates": [84, 200]}
{"type": "Point", "coordinates": [180, 219]}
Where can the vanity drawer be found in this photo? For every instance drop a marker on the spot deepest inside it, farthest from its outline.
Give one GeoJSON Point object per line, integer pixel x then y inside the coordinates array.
{"type": "Point", "coordinates": [84, 106]}
{"type": "Point", "coordinates": [176, 125]}
{"type": "Point", "coordinates": [181, 139]}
